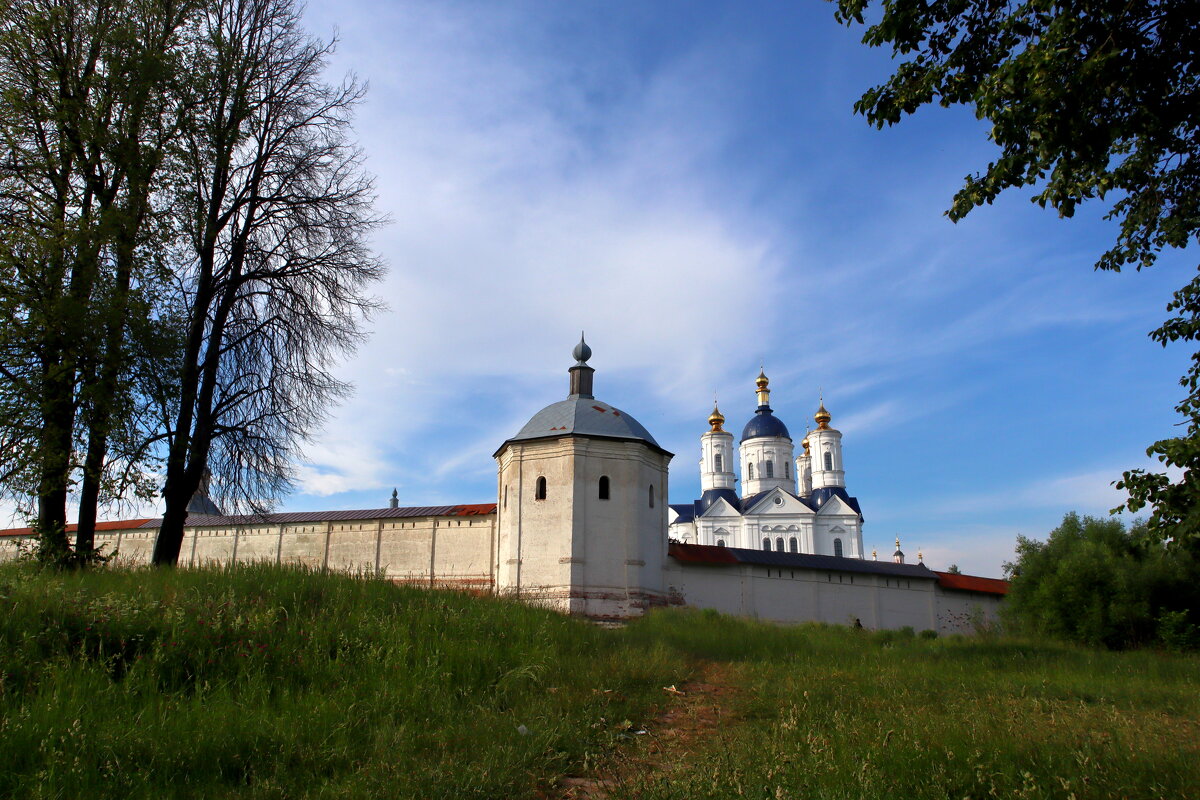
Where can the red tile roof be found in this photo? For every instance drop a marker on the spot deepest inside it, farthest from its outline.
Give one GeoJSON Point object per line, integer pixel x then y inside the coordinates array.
{"type": "Point", "coordinates": [972, 583]}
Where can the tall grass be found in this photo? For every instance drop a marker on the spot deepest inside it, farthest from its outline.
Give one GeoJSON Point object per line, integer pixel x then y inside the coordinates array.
{"type": "Point", "coordinates": [267, 682]}
{"type": "Point", "coordinates": [272, 682]}
{"type": "Point", "coordinates": [830, 712]}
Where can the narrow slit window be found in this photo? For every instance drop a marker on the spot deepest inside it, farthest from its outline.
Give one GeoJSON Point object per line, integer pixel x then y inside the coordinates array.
{"type": "Point", "coordinates": [603, 487]}
{"type": "Point", "coordinates": [539, 490]}
{"type": "Point", "coordinates": [770, 468]}
{"type": "Point", "coordinates": [787, 469]}
{"type": "Point", "coordinates": [717, 462]}
{"type": "Point", "coordinates": [652, 495]}
{"type": "Point", "coordinates": [750, 470]}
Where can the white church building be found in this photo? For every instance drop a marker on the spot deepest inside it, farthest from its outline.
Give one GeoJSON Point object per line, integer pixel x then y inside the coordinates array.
{"type": "Point", "coordinates": [581, 524]}
{"type": "Point", "coordinates": [800, 510]}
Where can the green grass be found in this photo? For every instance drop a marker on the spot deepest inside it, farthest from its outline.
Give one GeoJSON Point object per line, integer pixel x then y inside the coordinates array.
{"type": "Point", "coordinates": [268, 682]}
{"type": "Point", "coordinates": [262, 682]}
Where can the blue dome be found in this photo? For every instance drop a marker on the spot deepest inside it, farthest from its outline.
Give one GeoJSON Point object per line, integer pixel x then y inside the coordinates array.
{"type": "Point", "coordinates": [764, 423]}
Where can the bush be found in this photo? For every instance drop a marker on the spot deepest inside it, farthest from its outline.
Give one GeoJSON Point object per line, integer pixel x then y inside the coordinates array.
{"type": "Point", "coordinates": [1096, 583]}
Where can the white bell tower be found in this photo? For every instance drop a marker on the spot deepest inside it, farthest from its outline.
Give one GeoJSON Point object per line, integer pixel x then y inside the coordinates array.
{"type": "Point", "coordinates": [804, 483]}
{"type": "Point", "coordinates": [716, 454]}
{"type": "Point", "coordinates": [825, 446]}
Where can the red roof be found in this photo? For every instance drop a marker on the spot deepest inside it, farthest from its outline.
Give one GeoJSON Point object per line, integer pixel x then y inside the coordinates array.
{"type": "Point", "coordinates": [701, 553]}
{"type": "Point", "coordinates": [972, 583]}
{"type": "Point", "coordinates": [100, 526]}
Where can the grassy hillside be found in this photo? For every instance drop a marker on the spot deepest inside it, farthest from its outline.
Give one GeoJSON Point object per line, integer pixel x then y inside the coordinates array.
{"type": "Point", "coordinates": [262, 682]}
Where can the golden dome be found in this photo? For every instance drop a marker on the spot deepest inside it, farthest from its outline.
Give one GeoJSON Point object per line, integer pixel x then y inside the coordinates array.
{"type": "Point", "coordinates": [716, 419]}
{"type": "Point", "coordinates": [761, 381]}
{"type": "Point", "coordinates": [805, 441]}
{"type": "Point", "coordinates": [822, 417]}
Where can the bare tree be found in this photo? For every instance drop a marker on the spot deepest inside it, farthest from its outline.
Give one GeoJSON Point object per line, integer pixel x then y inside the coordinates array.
{"type": "Point", "coordinates": [272, 264]}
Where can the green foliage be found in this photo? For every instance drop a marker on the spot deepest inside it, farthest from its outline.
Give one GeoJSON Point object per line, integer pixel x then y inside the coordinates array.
{"type": "Point", "coordinates": [1094, 582]}
{"type": "Point", "coordinates": [1087, 100]}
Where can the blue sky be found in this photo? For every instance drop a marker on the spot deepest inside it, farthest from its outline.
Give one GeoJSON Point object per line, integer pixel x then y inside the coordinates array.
{"type": "Point", "coordinates": [688, 183]}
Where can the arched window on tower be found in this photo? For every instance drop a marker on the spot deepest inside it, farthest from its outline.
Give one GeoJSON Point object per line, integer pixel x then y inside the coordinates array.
{"type": "Point", "coordinates": [837, 547]}
{"type": "Point", "coordinates": [828, 460]}
{"type": "Point", "coordinates": [779, 544]}
{"type": "Point", "coordinates": [749, 470]}
{"type": "Point", "coordinates": [717, 462]}
{"type": "Point", "coordinates": [652, 495]}
{"type": "Point", "coordinates": [787, 469]}
{"type": "Point", "coordinates": [603, 487]}
{"type": "Point", "coordinates": [793, 545]}
{"type": "Point", "coordinates": [770, 468]}
{"type": "Point", "coordinates": [506, 497]}
{"type": "Point", "coordinates": [766, 543]}
{"type": "Point", "coordinates": [539, 489]}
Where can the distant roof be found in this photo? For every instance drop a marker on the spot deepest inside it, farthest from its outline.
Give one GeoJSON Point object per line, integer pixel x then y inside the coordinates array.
{"type": "Point", "coordinates": [296, 517]}
{"type": "Point", "coordinates": [818, 498]}
{"type": "Point", "coordinates": [290, 517]}
{"type": "Point", "coordinates": [971, 583]}
{"type": "Point", "coordinates": [583, 416]}
{"type": "Point", "coordinates": [708, 554]}
{"type": "Point", "coordinates": [100, 526]}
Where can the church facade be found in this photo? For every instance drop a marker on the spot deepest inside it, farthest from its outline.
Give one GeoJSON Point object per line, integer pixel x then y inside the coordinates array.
{"type": "Point", "coordinates": [581, 524]}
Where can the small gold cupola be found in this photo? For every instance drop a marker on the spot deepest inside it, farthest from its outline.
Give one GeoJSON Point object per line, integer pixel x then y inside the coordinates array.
{"type": "Point", "coordinates": [764, 394]}
{"type": "Point", "coordinates": [716, 419]}
{"type": "Point", "coordinates": [805, 443]}
{"type": "Point", "coordinates": [822, 417]}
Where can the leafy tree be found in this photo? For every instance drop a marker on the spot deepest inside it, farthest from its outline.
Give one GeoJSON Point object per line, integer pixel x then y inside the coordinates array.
{"type": "Point", "coordinates": [1088, 99]}
{"type": "Point", "coordinates": [1092, 581]}
{"type": "Point", "coordinates": [86, 116]}
{"type": "Point", "coordinates": [953, 569]}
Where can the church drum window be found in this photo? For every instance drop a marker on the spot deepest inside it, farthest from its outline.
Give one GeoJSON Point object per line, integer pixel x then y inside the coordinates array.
{"type": "Point", "coordinates": [750, 470]}
{"type": "Point", "coordinates": [769, 469]}
{"type": "Point", "coordinates": [828, 460]}
{"type": "Point", "coordinates": [717, 462]}
{"type": "Point", "coordinates": [837, 547]}
{"type": "Point", "coordinates": [539, 489]}
{"type": "Point", "coordinates": [603, 487]}
{"type": "Point", "coordinates": [793, 545]}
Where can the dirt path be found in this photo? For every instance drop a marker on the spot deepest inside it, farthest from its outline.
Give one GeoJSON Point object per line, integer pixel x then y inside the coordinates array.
{"type": "Point", "coordinates": [692, 712]}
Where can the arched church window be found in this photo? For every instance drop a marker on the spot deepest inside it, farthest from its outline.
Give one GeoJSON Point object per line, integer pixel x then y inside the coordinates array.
{"type": "Point", "coordinates": [787, 469]}
{"type": "Point", "coordinates": [793, 545]}
{"type": "Point", "coordinates": [652, 495]}
{"type": "Point", "coordinates": [770, 468]}
{"type": "Point", "coordinates": [717, 462]}
{"type": "Point", "coordinates": [766, 543]}
{"type": "Point", "coordinates": [749, 470]}
{"type": "Point", "coordinates": [539, 489]}
{"type": "Point", "coordinates": [603, 487]}
{"type": "Point", "coordinates": [837, 547]}
{"type": "Point", "coordinates": [720, 542]}
{"type": "Point", "coordinates": [779, 544]}
{"type": "Point", "coordinates": [828, 460]}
